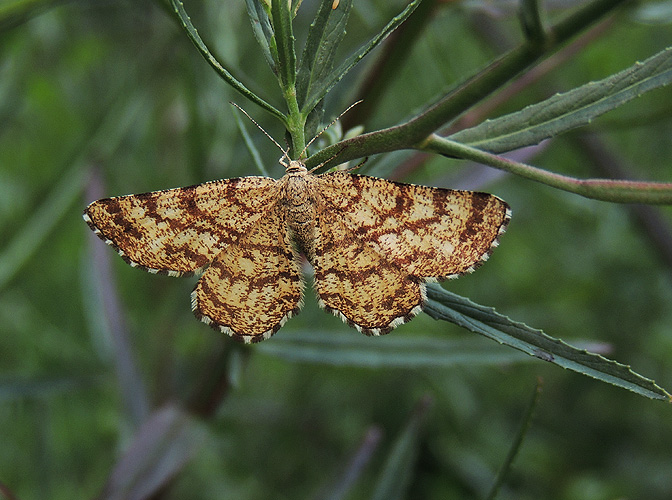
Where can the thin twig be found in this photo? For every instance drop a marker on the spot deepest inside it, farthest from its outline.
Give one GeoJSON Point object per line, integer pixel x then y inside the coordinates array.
{"type": "Point", "coordinates": [613, 190]}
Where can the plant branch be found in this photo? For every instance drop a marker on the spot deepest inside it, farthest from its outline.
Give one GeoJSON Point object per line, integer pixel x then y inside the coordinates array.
{"type": "Point", "coordinates": [617, 191]}
{"type": "Point", "coordinates": [465, 95]}
{"type": "Point", "coordinates": [284, 40]}
{"type": "Point", "coordinates": [326, 83]}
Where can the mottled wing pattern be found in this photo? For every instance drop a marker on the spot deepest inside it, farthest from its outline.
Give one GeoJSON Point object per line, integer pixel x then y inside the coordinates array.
{"type": "Point", "coordinates": [180, 231]}
{"type": "Point", "coordinates": [373, 244]}
{"type": "Point", "coordinates": [378, 242]}
{"type": "Point", "coordinates": [431, 233]}
{"type": "Point", "coordinates": [357, 283]}
{"type": "Point", "coordinates": [254, 285]}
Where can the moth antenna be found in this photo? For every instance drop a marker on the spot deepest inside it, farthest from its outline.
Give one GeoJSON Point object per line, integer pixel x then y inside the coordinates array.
{"type": "Point", "coordinates": [359, 165]}
{"type": "Point", "coordinates": [285, 152]}
{"type": "Point", "coordinates": [325, 128]}
{"type": "Point", "coordinates": [327, 160]}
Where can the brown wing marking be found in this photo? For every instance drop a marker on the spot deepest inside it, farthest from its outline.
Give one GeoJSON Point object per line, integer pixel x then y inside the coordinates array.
{"type": "Point", "coordinates": [431, 233]}
{"type": "Point", "coordinates": [358, 284]}
{"type": "Point", "coordinates": [254, 285]}
{"type": "Point", "coordinates": [180, 231]}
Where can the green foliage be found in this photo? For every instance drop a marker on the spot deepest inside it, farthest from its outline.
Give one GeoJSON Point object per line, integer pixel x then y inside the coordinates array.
{"type": "Point", "coordinates": [575, 108]}
{"type": "Point", "coordinates": [486, 321]}
{"type": "Point", "coordinates": [108, 386]}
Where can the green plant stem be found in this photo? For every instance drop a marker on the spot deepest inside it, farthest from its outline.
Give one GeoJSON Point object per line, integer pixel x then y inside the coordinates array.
{"type": "Point", "coordinates": [296, 122]}
{"type": "Point", "coordinates": [413, 132]}
{"type": "Point", "coordinates": [284, 39]}
{"type": "Point", "coordinates": [617, 191]}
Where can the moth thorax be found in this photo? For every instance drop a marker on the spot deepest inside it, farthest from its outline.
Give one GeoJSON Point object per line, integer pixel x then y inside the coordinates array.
{"type": "Point", "coordinates": [300, 203]}
{"type": "Point", "coordinates": [301, 210]}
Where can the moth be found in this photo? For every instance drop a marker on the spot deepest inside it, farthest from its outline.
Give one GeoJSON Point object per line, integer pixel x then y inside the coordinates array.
{"type": "Point", "coordinates": [373, 244]}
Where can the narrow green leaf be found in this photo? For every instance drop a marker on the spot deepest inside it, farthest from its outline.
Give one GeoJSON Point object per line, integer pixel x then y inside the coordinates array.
{"type": "Point", "coordinates": [317, 61]}
{"type": "Point", "coordinates": [261, 27]}
{"type": "Point", "coordinates": [193, 35]}
{"type": "Point", "coordinates": [461, 97]}
{"type": "Point", "coordinates": [317, 92]}
{"type": "Point", "coordinates": [284, 40]}
{"type": "Point", "coordinates": [325, 35]}
{"type": "Point", "coordinates": [160, 448]}
{"type": "Point", "coordinates": [396, 475]}
{"type": "Point", "coordinates": [566, 111]}
{"type": "Point", "coordinates": [314, 121]}
{"type": "Point", "coordinates": [443, 305]}
{"type": "Point", "coordinates": [393, 351]}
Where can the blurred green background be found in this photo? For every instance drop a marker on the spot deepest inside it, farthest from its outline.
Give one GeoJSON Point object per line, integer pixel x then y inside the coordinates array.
{"type": "Point", "coordinates": [103, 98]}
